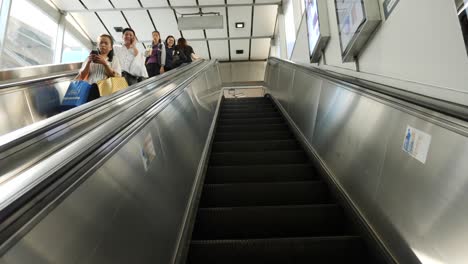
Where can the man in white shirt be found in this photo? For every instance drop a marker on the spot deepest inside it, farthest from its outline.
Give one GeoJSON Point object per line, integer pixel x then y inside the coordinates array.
{"type": "Point", "coordinates": [131, 59]}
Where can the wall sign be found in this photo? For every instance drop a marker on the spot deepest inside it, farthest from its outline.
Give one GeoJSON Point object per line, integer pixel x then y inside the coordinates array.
{"type": "Point", "coordinates": [389, 6]}
{"type": "Point", "coordinates": [357, 21]}
{"type": "Point", "coordinates": [416, 143]}
{"type": "Point", "coordinates": [318, 29]}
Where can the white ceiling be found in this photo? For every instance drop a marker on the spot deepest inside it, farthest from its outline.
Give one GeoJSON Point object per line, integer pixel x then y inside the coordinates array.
{"type": "Point", "coordinates": [253, 39]}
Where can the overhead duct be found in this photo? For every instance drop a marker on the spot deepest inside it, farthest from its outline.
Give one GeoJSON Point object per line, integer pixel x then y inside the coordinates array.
{"type": "Point", "coordinates": [201, 22]}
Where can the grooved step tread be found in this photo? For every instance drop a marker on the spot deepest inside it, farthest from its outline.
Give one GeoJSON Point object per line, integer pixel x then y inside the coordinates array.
{"type": "Point", "coordinates": [232, 110]}
{"type": "Point", "coordinates": [248, 121]}
{"type": "Point", "coordinates": [270, 221]}
{"type": "Point", "coordinates": [249, 115]}
{"type": "Point", "coordinates": [251, 128]}
{"type": "Point", "coordinates": [306, 250]}
{"type": "Point", "coordinates": [256, 158]}
{"type": "Point", "coordinates": [260, 173]}
{"type": "Point", "coordinates": [255, 146]}
{"type": "Point", "coordinates": [255, 135]}
{"type": "Point", "coordinates": [265, 194]}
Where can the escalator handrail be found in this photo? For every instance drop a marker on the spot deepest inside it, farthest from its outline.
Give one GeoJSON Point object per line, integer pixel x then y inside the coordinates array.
{"type": "Point", "coordinates": [448, 108]}
{"type": "Point", "coordinates": [18, 186]}
{"type": "Point", "coordinates": [29, 132]}
{"type": "Point", "coordinates": [23, 82]}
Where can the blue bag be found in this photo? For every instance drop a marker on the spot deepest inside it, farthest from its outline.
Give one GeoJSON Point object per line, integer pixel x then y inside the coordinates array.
{"type": "Point", "coordinates": [77, 94]}
{"type": "Point", "coordinates": [46, 100]}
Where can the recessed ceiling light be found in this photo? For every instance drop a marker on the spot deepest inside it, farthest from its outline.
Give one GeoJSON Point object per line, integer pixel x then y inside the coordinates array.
{"type": "Point", "coordinates": [239, 24]}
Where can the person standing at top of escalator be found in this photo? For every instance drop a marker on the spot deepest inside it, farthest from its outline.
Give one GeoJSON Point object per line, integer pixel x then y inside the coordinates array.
{"type": "Point", "coordinates": [155, 56]}
{"type": "Point", "coordinates": [131, 59]}
{"type": "Point", "coordinates": [183, 53]}
{"type": "Point", "coordinates": [170, 49]}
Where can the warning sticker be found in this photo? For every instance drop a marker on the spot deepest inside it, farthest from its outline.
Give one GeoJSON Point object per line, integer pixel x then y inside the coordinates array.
{"type": "Point", "coordinates": [416, 143]}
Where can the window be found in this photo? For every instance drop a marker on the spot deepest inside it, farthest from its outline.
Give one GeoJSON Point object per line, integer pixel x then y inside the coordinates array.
{"type": "Point", "coordinates": [73, 50]}
{"type": "Point", "coordinates": [30, 37]}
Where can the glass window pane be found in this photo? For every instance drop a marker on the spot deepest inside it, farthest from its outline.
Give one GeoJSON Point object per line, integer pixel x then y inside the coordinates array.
{"type": "Point", "coordinates": [30, 37]}
{"type": "Point", "coordinates": [73, 50]}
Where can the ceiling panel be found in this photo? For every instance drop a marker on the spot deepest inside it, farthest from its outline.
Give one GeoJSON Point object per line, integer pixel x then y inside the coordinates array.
{"type": "Point", "coordinates": [240, 14]}
{"type": "Point", "coordinates": [211, 2]}
{"type": "Point", "coordinates": [113, 19]}
{"type": "Point", "coordinates": [239, 44]}
{"type": "Point", "coordinates": [219, 49]}
{"type": "Point", "coordinates": [260, 49]}
{"type": "Point", "coordinates": [93, 4]}
{"type": "Point", "coordinates": [125, 3]}
{"type": "Point", "coordinates": [165, 22]}
{"type": "Point", "coordinates": [183, 2]}
{"type": "Point", "coordinates": [239, 1]}
{"type": "Point", "coordinates": [200, 48]}
{"type": "Point", "coordinates": [267, 1]}
{"type": "Point", "coordinates": [217, 33]}
{"type": "Point", "coordinates": [153, 3]}
{"type": "Point", "coordinates": [190, 34]}
{"type": "Point", "coordinates": [67, 4]}
{"type": "Point", "coordinates": [141, 23]}
{"type": "Point", "coordinates": [90, 24]}
{"type": "Point", "coordinates": [264, 20]}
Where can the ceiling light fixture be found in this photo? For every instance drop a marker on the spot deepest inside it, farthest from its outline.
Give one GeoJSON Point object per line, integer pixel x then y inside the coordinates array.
{"type": "Point", "coordinates": [239, 24]}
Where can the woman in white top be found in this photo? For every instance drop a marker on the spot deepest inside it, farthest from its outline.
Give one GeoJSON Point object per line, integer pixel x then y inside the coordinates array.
{"type": "Point", "coordinates": [103, 65]}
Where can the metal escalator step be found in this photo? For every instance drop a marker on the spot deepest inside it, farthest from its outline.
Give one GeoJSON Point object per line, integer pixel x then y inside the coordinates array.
{"type": "Point", "coordinates": [251, 128]}
{"type": "Point", "coordinates": [231, 110]}
{"type": "Point", "coordinates": [248, 107]}
{"type": "Point", "coordinates": [249, 115]}
{"type": "Point", "coordinates": [244, 99]}
{"type": "Point", "coordinates": [251, 145]}
{"type": "Point", "coordinates": [257, 158]}
{"type": "Point", "coordinates": [323, 250]}
{"type": "Point", "coordinates": [260, 173]}
{"type": "Point", "coordinates": [265, 194]}
{"type": "Point", "coordinates": [247, 121]}
{"type": "Point", "coordinates": [256, 135]}
{"type": "Point", "coordinates": [244, 104]}
{"type": "Point", "coordinates": [270, 221]}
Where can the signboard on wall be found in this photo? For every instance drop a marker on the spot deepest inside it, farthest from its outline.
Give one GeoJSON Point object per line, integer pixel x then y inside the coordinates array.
{"type": "Point", "coordinates": [357, 20]}
{"type": "Point", "coordinates": [350, 14]}
{"type": "Point", "coordinates": [318, 31]}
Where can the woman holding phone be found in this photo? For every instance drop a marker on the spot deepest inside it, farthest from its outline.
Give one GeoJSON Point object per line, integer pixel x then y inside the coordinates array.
{"type": "Point", "coordinates": [101, 63]}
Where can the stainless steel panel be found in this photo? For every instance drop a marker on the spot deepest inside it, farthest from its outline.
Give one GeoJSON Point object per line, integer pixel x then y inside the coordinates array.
{"type": "Point", "coordinates": [253, 71]}
{"type": "Point", "coordinates": [124, 213]}
{"type": "Point", "coordinates": [304, 101]}
{"type": "Point", "coordinates": [14, 111]}
{"type": "Point", "coordinates": [41, 71]}
{"type": "Point", "coordinates": [358, 135]}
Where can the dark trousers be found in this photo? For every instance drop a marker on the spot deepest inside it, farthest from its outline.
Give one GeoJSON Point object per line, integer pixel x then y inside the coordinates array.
{"type": "Point", "coordinates": [153, 69]}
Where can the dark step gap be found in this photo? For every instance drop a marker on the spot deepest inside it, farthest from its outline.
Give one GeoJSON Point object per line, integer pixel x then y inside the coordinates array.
{"type": "Point", "coordinates": [255, 146]}
{"type": "Point", "coordinates": [260, 173]}
{"type": "Point", "coordinates": [270, 221]}
{"type": "Point", "coordinates": [248, 107]}
{"type": "Point", "coordinates": [257, 158]}
{"type": "Point", "coordinates": [254, 136]}
{"type": "Point", "coordinates": [323, 250]}
{"type": "Point", "coordinates": [251, 128]}
{"type": "Point", "coordinates": [265, 194]}
{"type": "Point", "coordinates": [276, 120]}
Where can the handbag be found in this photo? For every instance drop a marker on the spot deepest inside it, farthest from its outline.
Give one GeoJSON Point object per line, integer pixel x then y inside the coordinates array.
{"type": "Point", "coordinates": [77, 94]}
{"type": "Point", "coordinates": [111, 85]}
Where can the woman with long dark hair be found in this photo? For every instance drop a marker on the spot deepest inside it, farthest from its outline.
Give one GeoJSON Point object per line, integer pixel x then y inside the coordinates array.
{"type": "Point", "coordinates": [183, 52]}
{"type": "Point", "coordinates": [170, 48]}
{"type": "Point", "coordinates": [155, 56]}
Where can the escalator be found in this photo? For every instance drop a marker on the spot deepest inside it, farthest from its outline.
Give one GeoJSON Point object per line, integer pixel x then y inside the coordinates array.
{"type": "Point", "coordinates": [262, 200]}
